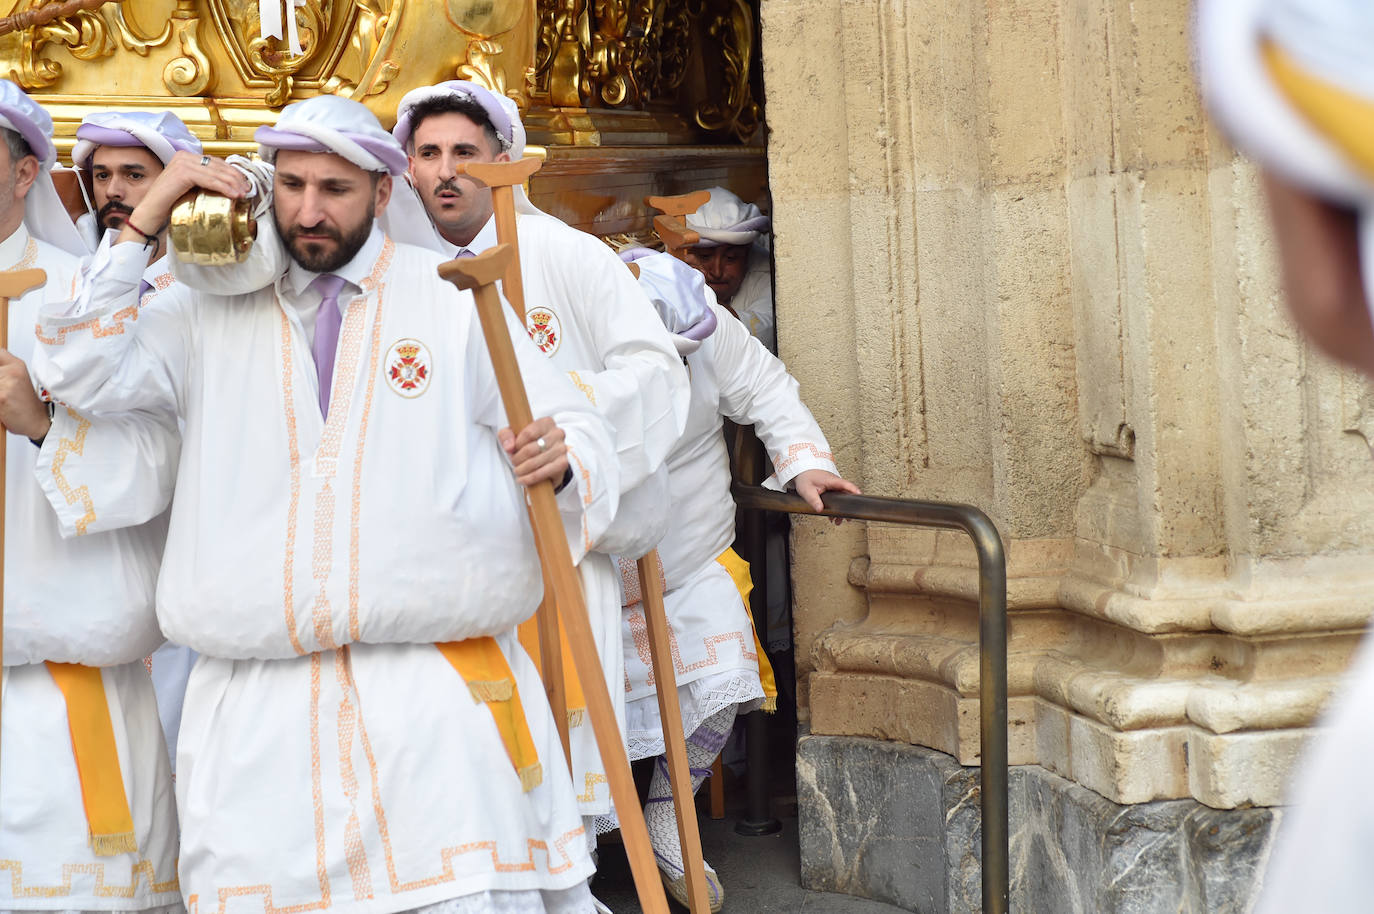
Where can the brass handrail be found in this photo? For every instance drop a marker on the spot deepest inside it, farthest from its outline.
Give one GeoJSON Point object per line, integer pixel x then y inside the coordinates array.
{"type": "Point", "coordinates": [992, 643]}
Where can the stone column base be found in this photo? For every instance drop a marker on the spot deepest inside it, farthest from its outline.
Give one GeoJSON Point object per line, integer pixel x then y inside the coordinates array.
{"type": "Point", "coordinates": [900, 824]}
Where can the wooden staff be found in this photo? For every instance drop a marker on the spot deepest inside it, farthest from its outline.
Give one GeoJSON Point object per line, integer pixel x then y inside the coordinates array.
{"type": "Point", "coordinates": [479, 274]}
{"type": "Point", "coordinates": [671, 227]}
{"type": "Point", "coordinates": [502, 177]}
{"type": "Point", "coordinates": [670, 717]}
{"type": "Point", "coordinates": [47, 13]}
{"type": "Point", "coordinates": [12, 285]}
{"type": "Point", "coordinates": [674, 739]}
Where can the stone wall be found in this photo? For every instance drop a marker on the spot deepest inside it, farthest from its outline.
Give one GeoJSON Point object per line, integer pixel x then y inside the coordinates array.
{"type": "Point", "coordinates": [1017, 268]}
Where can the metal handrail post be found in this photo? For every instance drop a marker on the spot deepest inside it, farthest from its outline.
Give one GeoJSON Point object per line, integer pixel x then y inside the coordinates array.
{"type": "Point", "coordinates": [992, 645]}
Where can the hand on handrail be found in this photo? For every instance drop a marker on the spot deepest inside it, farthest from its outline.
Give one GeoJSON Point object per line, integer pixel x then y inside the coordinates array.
{"type": "Point", "coordinates": [810, 484]}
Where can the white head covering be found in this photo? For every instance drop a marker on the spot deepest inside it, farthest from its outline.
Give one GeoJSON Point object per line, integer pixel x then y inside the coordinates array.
{"type": "Point", "coordinates": [164, 134]}
{"type": "Point", "coordinates": [501, 111]}
{"type": "Point", "coordinates": [679, 295]}
{"type": "Point", "coordinates": [332, 124]}
{"type": "Point", "coordinates": [726, 219]}
{"type": "Point", "coordinates": [1329, 39]}
{"type": "Point", "coordinates": [44, 214]}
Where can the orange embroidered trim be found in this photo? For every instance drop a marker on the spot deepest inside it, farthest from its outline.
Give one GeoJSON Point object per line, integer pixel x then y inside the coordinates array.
{"type": "Point", "coordinates": [316, 797]}
{"type": "Point", "coordinates": [639, 631]}
{"type": "Point", "coordinates": [781, 463]}
{"type": "Point", "coordinates": [293, 507]}
{"type": "Point", "coordinates": [589, 784]}
{"type": "Point", "coordinates": [143, 869]}
{"type": "Point", "coordinates": [354, 853]}
{"type": "Point", "coordinates": [355, 521]}
{"type": "Point", "coordinates": [583, 386]}
{"type": "Point", "coordinates": [586, 496]}
{"type": "Point", "coordinates": [66, 447]}
{"type": "Point", "coordinates": [115, 328]}
{"type": "Point", "coordinates": [26, 259]}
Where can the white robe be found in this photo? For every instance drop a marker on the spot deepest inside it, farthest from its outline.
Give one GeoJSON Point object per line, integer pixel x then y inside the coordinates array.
{"type": "Point", "coordinates": [584, 310]}
{"type": "Point", "coordinates": [84, 599]}
{"type": "Point", "coordinates": [754, 300]}
{"type": "Point", "coordinates": [329, 756]}
{"type": "Point", "coordinates": [714, 654]}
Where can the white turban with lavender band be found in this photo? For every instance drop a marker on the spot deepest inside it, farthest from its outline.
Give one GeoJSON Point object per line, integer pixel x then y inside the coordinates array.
{"type": "Point", "coordinates": [163, 134]}
{"type": "Point", "coordinates": [726, 219]}
{"type": "Point", "coordinates": [501, 111]}
{"type": "Point", "coordinates": [331, 124]}
{"type": "Point", "coordinates": [44, 215]}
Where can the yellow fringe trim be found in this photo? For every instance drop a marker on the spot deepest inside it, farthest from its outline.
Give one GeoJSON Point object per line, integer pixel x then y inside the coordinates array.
{"type": "Point", "coordinates": [577, 717]}
{"type": "Point", "coordinates": [114, 845]}
{"type": "Point", "coordinates": [770, 704]}
{"type": "Point", "coordinates": [491, 690]}
{"type": "Point", "coordinates": [531, 776]}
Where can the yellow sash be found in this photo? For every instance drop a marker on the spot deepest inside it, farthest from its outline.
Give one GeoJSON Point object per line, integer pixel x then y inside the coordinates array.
{"type": "Point", "coordinates": [738, 569]}
{"type": "Point", "coordinates": [528, 633]}
{"type": "Point", "coordinates": [488, 676]}
{"type": "Point", "coordinates": [1345, 119]}
{"type": "Point", "coordinates": [108, 818]}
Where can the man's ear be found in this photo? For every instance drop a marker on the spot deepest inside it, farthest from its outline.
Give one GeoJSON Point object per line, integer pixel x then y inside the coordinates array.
{"type": "Point", "coordinates": [382, 195]}
{"type": "Point", "coordinates": [25, 173]}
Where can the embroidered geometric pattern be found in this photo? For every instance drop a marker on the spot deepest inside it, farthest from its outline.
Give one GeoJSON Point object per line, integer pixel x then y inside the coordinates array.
{"type": "Point", "coordinates": [142, 870]}
{"type": "Point", "coordinates": [781, 463]}
{"type": "Point", "coordinates": [82, 494]}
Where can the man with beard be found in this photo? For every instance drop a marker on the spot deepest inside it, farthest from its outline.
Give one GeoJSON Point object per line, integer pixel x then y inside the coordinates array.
{"type": "Point", "coordinates": [349, 550]}
{"type": "Point", "coordinates": [587, 315]}
{"type": "Point", "coordinates": [119, 154]}
{"type": "Point", "coordinates": [86, 796]}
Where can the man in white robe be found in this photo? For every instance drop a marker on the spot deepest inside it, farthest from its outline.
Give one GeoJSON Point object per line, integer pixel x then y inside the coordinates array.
{"type": "Point", "coordinates": [348, 551]}
{"type": "Point", "coordinates": [87, 820]}
{"type": "Point", "coordinates": [585, 313]}
{"type": "Point", "coordinates": [119, 154]}
{"type": "Point", "coordinates": [721, 669]}
{"type": "Point", "coordinates": [733, 257]}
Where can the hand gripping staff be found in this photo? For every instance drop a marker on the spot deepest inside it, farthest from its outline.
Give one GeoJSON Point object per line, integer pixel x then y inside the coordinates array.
{"type": "Point", "coordinates": [501, 178]}
{"type": "Point", "coordinates": [479, 274]}
{"type": "Point", "coordinates": [12, 285]}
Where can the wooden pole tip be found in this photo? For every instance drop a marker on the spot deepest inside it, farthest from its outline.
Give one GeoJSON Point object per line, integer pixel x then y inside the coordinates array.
{"type": "Point", "coordinates": [502, 174]}
{"type": "Point", "coordinates": [482, 270]}
{"type": "Point", "coordinates": [13, 285]}
{"type": "Point", "coordinates": [681, 205]}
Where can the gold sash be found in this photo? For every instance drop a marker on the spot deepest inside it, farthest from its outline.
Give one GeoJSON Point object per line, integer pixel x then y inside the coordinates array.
{"type": "Point", "coordinates": [97, 759]}
{"type": "Point", "coordinates": [488, 676]}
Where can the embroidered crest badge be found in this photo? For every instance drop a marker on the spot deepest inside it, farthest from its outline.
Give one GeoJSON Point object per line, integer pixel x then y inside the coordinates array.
{"type": "Point", "coordinates": [408, 367]}
{"type": "Point", "coordinates": [544, 328]}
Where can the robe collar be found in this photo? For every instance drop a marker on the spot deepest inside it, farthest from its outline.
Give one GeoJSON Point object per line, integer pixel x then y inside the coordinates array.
{"type": "Point", "coordinates": [12, 248]}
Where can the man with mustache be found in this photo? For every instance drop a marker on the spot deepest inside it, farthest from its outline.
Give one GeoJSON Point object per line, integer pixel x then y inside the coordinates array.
{"type": "Point", "coordinates": [119, 155]}
{"type": "Point", "coordinates": [588, 316]}
{"type": "Point", "coordinates": [348, 551]}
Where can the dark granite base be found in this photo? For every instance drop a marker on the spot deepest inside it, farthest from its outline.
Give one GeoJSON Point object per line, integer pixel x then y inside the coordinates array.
{"type": "Point", "coordinates": [899, 823]}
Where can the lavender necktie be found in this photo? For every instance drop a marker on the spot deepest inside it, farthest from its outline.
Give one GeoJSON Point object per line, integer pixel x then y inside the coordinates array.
{"type": "Point", "coordinates": [464, 252]}
{"type": "Point", "coordinates": [327, 322]}
{"type": "Point", "coordinates": [144, 287]}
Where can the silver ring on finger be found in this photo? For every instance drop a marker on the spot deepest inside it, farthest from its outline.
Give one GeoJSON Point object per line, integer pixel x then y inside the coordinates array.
{"type": "Point", "coordinates": [543, 445]}
{"type": "Point", "coordinates": [204, 160]}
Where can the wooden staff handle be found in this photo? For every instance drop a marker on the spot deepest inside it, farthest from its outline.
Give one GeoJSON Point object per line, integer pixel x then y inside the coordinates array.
{"type": "Point", "coordinates": [12, 285]}
{"type": "Point", "coordinates": [671, 227]}
{"type": "Point", "coordinates": [674, 740]}
{"type": "Point", "coordinates": [479, 275]}
{"type": "Point", "coordinates": [502, 177]}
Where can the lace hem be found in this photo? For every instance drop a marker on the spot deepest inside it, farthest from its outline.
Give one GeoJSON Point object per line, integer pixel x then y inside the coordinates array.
{"type": "Point", "coordinates": [699, 700]}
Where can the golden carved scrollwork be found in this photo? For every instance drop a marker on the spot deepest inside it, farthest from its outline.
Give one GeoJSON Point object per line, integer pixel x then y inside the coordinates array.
{"type": "Point", "coordinates": [480, 67]}
{"type": "Point", "coordinates": [636, 53]}
{"type": "Point", "coordinates": [730, 106]}
{"type": "Point", "coordinates": [189, 74]}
